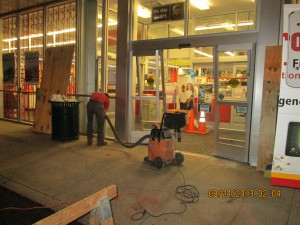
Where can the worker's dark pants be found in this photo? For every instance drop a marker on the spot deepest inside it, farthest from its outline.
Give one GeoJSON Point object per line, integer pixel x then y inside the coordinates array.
{"type": "Point", "coordinates": [94, 107]}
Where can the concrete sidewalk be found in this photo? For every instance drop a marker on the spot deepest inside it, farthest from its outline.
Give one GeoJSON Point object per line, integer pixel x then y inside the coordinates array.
{"type": "Point", "coordinates": [57, 174]}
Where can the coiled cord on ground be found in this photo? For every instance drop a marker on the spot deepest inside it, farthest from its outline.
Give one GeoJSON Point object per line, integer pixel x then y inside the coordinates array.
{"type": "Point", "coordinates": [123, 144]}
{"type": "Point", "coordinates": [186, 194]}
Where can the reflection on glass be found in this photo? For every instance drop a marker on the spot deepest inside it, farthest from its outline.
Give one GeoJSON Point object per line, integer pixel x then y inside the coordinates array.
{"type": "Point", "coordinates": [9, 83]}
{"type": "Point", "coordinates": [145, 112]}
{"type": "Point", "coordinates": [203, 19]}
{"type": "Point", "coordinates": [233, 75]}
{"type": "Point", "coordinates": [61, 30]}
{"type": "Point", "coordinates": [232, 125]}
{"type": "Point", "coordinates": [31, 31]}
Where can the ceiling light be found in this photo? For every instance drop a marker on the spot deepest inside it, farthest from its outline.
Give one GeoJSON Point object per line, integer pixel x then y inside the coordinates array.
{"type": "Point", "coordinates": [210, 27]}
{"type": "Point", "coordinates": [10, 39]}
{"type": "Point", "coordinates": [9, 49]}
{"type": "Point", "coordinates": [200, 4]}
{"type": "Point", "coordinates": [143, 12]}
{"type": "Point", "coordinates": [224, 25]}
{"type": "Point", "coordinates": [249, 23]}
{"type": "Point", "coordinates": [229, 53]}
{"type": "Point", "coordinates": [31, 36]}
{"type": "Point", "coordinates": [203, 53]}
{"type": "Point", "coordinates": [62, 31]}
{"type": "Point", "coordinates": [61, 43]}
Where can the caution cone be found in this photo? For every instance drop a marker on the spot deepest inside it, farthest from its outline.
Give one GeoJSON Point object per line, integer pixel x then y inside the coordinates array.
{"type": "Point", "coordinates": [191, 125]}
{"type": "Point", "coordinates": [202, 124]}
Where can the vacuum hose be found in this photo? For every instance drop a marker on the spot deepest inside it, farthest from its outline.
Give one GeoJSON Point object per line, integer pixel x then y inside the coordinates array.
{"type": "Point", "coordinates": [123, 144]}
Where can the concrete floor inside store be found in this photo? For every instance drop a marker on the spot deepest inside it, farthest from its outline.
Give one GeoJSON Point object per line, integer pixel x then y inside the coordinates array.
{"type": "Point", "coordinates": [57, 174]}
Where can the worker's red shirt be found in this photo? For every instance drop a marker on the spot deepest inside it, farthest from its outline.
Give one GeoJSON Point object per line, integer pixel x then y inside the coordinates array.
{"type": "Point", "coordinates": [102, 98]}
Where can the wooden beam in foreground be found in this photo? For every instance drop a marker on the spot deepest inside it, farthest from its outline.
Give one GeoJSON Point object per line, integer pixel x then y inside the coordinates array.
{"type": "Point", "coordinates": [80, 208]}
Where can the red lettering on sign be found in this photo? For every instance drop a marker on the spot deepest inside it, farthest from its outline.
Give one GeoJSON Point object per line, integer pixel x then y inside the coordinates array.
{"type": "Point", "coordinates": [295, 42]}
{"type": "Point", "coordinates": [285, 36]}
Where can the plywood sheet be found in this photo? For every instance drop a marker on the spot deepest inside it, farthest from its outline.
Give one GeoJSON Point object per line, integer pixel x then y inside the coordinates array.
{"type": "Point", "coordinates": [55, 80]}
{"type": "Point", "coordinates": [271, 88]}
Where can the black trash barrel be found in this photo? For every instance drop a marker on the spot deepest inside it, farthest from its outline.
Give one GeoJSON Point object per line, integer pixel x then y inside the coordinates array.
{"type": "Point", "coordinates": [65, 120]}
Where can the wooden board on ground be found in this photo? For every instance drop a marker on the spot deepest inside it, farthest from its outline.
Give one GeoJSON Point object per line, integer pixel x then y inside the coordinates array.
{"type": "Point", "coordinates": [271, 88]}
{"type": "Point", "coordinates": [55, 80]}
{"type": "Point", "coordinates": [82, 207]}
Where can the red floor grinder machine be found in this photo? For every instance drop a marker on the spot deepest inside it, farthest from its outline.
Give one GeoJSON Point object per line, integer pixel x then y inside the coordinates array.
{"type": "Point", "coordinates": [161, 147]}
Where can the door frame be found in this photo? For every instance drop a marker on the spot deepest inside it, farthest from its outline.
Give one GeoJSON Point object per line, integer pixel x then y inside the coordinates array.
{"type": "Point", "coordinates": [219, 42]}
{"type": "Point", "coordinates": [226, 150]}
{"type": "Point", "coordinates": [159, 61]}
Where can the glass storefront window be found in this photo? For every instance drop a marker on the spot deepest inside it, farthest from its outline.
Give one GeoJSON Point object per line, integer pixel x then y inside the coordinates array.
{"type": "Point", "coordinates": [232, 125]}
{"type": "Point", "coordinates": [156, 19]}
{"type": "Point", "coordinates": [160, 19]}
{"type": "Point", "coordinates": [110, 79]}
{"type": "Point", "coordinates": [9, 81]}
{"type": "Point", "coordinates": [233, 75]}
{"type": "Point", "coordinates": [112, 51]}
{"type": "Point", "coordinates": [99, 42]}
{"type": "Point", "coordinates": [61, 30]}
{"type": "Point", "coordinates": [157, 31]}
{"type": "Point", "coordinates": [23, 72]}
{"type": "Point", "coordinates": [31, 61]}
{"type": "Point", "coordinates": [145, 89]}
{"type": "Point", "coordinates": [111, 48]}
{"type": "Point", "coordinates": [222, 16]}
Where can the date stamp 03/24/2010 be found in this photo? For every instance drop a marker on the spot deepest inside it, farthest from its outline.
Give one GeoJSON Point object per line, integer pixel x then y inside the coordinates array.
{"type": "Point", "coordinates": [244, 193]}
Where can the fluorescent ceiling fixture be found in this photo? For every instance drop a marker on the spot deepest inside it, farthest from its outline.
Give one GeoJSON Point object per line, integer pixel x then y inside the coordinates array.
{"type": "Point", "coordinates": [31, 36]}
{"type": "Point", "coordinates": [203, 53]}
{"type": "Point", "coordinates": [9, 49]}
{"type": "Point", "coordinates": [112, 23]}
{"type": "Point", "coordinates": [177, 30]}
{"type": "Point", "coordinates": [245, 24]}
{"type": "Point", "coordinates": [10, 39]}
{"type": "Point", "coordinates": [229, 53]}
{"type": "Point", "coordinates": [200, 4]}
{"type": "Point", "coordinates": [61, 43]}
{"type": "Point", "coordinates": [62, 31]}
{"type": "Point", "coordinates": [224, 25]}
{"type": "Point", "coordinates": [143, 12]}
{"type": "Point", "coordinates": [40, 35]}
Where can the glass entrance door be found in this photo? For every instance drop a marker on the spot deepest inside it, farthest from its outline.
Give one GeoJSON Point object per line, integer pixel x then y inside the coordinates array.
{"type": "Point", "coordinates": [233, 101]}
{"type": "Point", "coordinates": [148, 92]}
